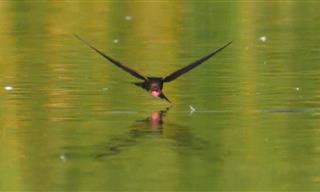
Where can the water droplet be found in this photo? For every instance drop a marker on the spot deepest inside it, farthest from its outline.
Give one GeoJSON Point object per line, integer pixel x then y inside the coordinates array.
{"type": "Point", "coordinates": [128, 18]}
{"type": "Point", "coordinates": [263, 38]}
{"type": "Point", "coordinates": [63, 158]}
{"type": "Point", "coordinates": [8, 88]}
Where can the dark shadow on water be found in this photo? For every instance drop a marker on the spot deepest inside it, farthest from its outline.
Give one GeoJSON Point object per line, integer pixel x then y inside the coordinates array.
{"type": "Point", "coordinates": [153, 127]}
{"type": "Point", "coordinates": [178, 138]}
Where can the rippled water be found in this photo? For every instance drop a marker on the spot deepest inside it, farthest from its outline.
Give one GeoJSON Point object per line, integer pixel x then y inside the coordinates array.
{"type": "Point", "coordinates": [247, 119]}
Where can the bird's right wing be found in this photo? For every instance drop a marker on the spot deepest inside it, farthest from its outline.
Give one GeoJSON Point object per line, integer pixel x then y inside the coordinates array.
{"type": "Point", "coordinates": [117, 63]}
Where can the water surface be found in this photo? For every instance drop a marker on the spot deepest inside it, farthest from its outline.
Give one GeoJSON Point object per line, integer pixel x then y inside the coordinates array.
{"type": "Point", "coordinates": [72, 121]}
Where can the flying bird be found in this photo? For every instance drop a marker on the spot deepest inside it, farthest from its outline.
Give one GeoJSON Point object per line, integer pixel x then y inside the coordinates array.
{"type": "Point", "coordinates": [154, 85]}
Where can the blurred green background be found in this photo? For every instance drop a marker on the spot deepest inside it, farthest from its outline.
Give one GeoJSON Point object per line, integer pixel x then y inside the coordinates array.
{"type": "Point", "coordinates": [71, 121]}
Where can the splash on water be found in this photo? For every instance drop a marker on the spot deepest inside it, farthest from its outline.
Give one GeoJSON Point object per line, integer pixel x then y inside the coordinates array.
{"type": "Point", "coordinates": [192, 109]}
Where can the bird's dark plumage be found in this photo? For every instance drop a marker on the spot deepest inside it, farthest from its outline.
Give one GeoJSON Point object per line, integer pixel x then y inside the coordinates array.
{"type": "Point", "coordinates": [117, 63]}
{"type": "Point", "coordinates": [154, 85]}
{"type": "Point", "coordinates": [178, 73]}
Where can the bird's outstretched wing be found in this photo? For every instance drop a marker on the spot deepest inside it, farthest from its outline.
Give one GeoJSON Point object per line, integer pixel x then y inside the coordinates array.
{"type": "Point", "coordinates": [178, 73]}
{"type": "Point", "coordinates": [141, 85]}
{"type": "Point", "coordinates": [117, 63]}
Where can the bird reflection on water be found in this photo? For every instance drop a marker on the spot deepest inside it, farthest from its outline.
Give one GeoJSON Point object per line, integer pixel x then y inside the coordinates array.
{"type": "Point", "coordinates": [152, 127]}
{"type": "Point", "coordinates": [155, 121]}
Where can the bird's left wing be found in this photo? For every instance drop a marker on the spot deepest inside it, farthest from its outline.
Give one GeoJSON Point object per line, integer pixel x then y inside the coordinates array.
{"type": "Point", "coordinates": [178, 73]}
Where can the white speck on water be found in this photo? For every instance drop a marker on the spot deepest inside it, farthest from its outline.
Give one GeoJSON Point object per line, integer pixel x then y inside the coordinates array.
{"type": "Point", "coordinates": [8, 88]}
{"type": "Point", "coordinates": [263, 38]}
{"type": "Point", "coordinates": [192, 109]}
{"type": "Point", "coordinates": [128, 18]}
{"type": "Point", "coordinates": [115, 41]}
{"type": "Point", "coordinates": [63, 158]}
{"type": "Point", "coordinates": [297, 89]}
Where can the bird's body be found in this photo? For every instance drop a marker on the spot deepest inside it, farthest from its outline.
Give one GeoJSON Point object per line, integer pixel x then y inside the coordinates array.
{"type": "Point", "coordinates": [154, 85]}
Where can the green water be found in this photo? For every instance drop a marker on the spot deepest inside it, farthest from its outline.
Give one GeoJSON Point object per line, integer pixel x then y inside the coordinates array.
{"type": "Point", "coordinates": [73, 122]}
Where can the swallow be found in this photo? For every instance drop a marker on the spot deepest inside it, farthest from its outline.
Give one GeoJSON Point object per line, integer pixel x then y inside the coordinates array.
{"type": "Point", "coordinates": [154, 85]}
